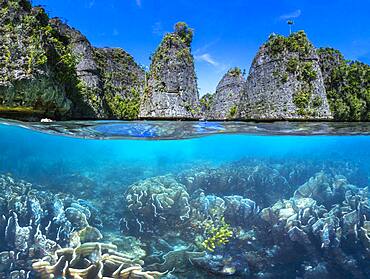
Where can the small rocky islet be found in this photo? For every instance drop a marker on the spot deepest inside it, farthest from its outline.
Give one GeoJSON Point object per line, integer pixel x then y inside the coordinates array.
{"type": "Point", "coordinates": [49, 69]}
{"type": "Point", "coordinates": [300, 220]}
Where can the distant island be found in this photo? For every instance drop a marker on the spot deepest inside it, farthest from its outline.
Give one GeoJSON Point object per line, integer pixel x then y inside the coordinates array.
{"type": "Point", "coordinates": [50, 70]}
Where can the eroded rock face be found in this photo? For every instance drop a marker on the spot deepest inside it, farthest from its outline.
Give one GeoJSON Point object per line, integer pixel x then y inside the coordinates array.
{"type": "Point", "coordinates": [172, 87]}
{"type": "Point", "coordinates": [122, 80]}
{"type": "Point", "coordinates": [330, 59]}
{"type": "Point", "coordinates": [49, 69]}
{"type": "Point", "coordinates": [29, 80]}
{"type": "Point", "coordinates": [91, 103]}
{"type": "Point", "coordinates": [225, 102]}
{"type": "Point", "coordinates": [285, 82]}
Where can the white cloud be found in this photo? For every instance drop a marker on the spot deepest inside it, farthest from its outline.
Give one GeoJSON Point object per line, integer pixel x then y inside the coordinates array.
{"type": "Point", "coordinates": [138, 3]}
{"type": "Point", "coordinates": [91, 3]}
{"type": "Point", "coordinates": [205, 47]}
{"type": "Point", "coordinates": [206, 57]}
{"type": "Point", "coordinates": [115, 32]}
{"type": "Point", "coordinates": [294, 14]}
{"type": "Point", "coordinates": [157, 29]}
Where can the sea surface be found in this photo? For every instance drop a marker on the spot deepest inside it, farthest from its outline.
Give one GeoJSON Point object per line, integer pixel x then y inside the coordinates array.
{"type": "Point", "coordinates": [184, 199]}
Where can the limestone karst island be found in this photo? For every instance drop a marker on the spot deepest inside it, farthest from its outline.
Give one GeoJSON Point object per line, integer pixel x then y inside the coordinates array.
{"type": "Point", "coordinates": [184, 139]}
{"type": "Point", "coordinates": [50, 70]}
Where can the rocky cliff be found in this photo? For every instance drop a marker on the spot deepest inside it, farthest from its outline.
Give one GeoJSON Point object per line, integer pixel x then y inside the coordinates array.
{"type": "Point", "coordinates": [48, 69]}
{"type": "Point", "coordinates": [347, 85]}
{"type": "Point", "coordinates": [90, 102]}
{"type": "Point", "coordinates": [171, 91]}
{"type": "Point", "coordinates": [285, 82]}
{"type": "Point", "coordinates": [122, 81]}
{"type": "Point", "coordinates": [32, 61]}
{"type": "Point", "coordinates": [225, 102]}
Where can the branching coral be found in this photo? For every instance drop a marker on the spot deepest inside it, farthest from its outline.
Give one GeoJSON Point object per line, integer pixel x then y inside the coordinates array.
{"type": "Point", "coordinates": [217, 234]}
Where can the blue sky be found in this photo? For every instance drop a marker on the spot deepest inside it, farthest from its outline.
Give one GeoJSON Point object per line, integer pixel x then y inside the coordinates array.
{"type": "Point", "coordinates": [228, 33]}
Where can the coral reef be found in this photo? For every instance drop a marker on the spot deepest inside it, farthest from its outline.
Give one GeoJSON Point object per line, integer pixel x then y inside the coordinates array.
{"type": "Point", "coordinates": [216, 234]}
{"type": "Point", "coordinates": [206, 222]}
{"type": "Point", "coordinates": [92, 260]}
{"type": "Point", "coordinates": [35, 223]}
{"type": "Point", "coordinates": [310, 230]}
{"type": "Point", "coordinates": [155, 204]}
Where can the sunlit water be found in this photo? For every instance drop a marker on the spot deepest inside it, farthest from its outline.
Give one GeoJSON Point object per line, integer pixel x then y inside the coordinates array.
{"type": "Point", "coordinates": [99, 161]}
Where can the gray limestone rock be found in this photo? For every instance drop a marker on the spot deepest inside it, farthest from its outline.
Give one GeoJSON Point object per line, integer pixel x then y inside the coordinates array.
{"type": "Point", "coordinates": [87, 72]}
{"type": "Point", "coordinates": [171, 92]}
{"type": "Point", "coordinates": [285, 82]}
{"type": "Point", "coordinates": [123, 82]}
{"type": "Point", "coordinates": [225, 102]}
{"type": "Point", "coordinates": [28, 81]}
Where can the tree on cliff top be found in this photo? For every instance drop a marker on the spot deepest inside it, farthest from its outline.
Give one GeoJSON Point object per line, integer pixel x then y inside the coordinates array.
{"type": "Point", "coordinates": [184, 32]}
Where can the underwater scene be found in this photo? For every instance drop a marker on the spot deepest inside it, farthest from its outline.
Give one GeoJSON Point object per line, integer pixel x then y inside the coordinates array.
{"type": "Point", "coordinates": [110, 199]}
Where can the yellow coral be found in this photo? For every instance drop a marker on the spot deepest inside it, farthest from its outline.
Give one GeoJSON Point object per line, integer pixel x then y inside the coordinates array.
{"type": "Point", "coordinates": [218, 234]}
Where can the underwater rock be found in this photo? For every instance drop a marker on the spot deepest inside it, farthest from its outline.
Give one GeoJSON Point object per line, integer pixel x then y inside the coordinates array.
{"type": "Point", "coordinates": [180, 259]}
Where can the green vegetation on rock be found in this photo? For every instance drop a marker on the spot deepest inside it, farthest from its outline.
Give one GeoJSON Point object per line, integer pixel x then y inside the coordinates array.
{"type": "Point", "coordinates": [164, 54]}
{"type": "Point", "coordinates": [292, 65]}
{"type": "Point", "coordinates": [184, 32]}
{"type": "Point", "coordinates": [206, 101]}
{"type": "Point", "coordinates": [298, 56]}
{"type": "Point", "coordinates": [38, 67]}
{"type": "Point", "coordinates": [235, 72]}
{"type": "Point", "coordinates": [233, 111]}
{"type": "Point", "coordinates": [302, 99]}
{"type": "Point", "coordinates": [308, 73]}
{"type": "Point", "coordinates": [347, 86]}
{"type": "Point", "coordinates": [123, 81]}
{"type": "Point", "coordinates": [296, 42]}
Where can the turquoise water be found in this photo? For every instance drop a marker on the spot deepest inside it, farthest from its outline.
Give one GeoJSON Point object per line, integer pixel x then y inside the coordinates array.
{"type": "Point", "coordinates": [30, 154]}
{"type": "Point", "coordinates": [101, 168]}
